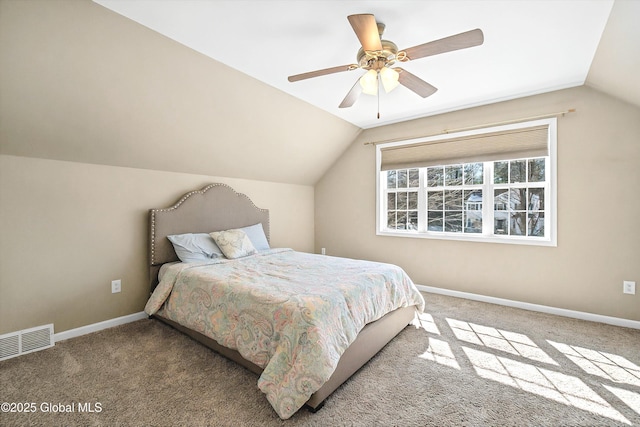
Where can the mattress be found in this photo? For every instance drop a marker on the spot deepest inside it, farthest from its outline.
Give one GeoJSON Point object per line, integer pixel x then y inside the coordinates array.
{"type": "Point", "coordinates": [291, 313]}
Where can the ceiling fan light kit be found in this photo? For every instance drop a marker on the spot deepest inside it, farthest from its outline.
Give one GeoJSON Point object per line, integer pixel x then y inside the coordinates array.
{"type": "Point", "coordinates": [377, 56]}
{"type": "Point", "coordinates": [369, 82]}
{"type": "Point", "coordinates": [390, 78]}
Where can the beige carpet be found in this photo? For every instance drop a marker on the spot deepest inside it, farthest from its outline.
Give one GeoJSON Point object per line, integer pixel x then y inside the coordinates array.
{"type": "Point", "coordinates": [474, 364]}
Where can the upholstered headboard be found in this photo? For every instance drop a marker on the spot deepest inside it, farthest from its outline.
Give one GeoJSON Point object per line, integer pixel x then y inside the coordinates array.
{"type": "Point", "coordinates": [216, 207]}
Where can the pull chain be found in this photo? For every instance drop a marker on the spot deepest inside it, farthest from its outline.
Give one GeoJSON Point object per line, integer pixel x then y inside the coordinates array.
{"type": "Point", "coordinates": [378, 82]}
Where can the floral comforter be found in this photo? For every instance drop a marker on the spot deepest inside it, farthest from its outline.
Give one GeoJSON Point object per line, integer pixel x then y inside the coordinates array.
{"type": "Point", "coordinates": [291, 313]}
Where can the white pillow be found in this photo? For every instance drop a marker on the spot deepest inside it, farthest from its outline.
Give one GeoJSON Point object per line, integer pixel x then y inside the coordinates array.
{"type": "Point", "coordinates": [233, 243]}
{"type": "Point", "coordinates": [195, 247]}
{"type": "Point", "coordinates": [256, 235]}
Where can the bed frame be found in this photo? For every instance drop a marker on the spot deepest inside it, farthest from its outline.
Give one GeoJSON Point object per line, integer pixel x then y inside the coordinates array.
{"type": "Point", "coordinates": [218, 207]}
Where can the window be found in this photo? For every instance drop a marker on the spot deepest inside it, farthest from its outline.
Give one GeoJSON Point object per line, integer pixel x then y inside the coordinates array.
{"type": "Point", "coordinates": [496, 185]}
{"type": "Point", "coordinates": [402, 199]}
{"type": "Point", "coordinates": [454, 198]}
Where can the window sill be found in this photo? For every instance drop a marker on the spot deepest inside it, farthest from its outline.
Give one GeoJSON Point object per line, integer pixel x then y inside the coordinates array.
{"type": "Point", "coordinates": [511, 240]}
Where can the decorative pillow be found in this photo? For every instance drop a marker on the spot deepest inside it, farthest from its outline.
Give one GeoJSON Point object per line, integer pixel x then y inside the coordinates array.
{"type": "Point", "coordinates": [195, 247]}
{"type": "Point", "coordinates": [233, 243]}
{"type": "Point", "coordinates": [256, 235]}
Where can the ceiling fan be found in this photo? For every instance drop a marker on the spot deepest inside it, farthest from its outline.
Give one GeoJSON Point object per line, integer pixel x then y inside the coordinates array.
{"type": "Point", "coordinates": [377, 56]}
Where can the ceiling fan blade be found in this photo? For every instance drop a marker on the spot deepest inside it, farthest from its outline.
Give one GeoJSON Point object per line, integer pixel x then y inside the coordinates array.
{"type": "Point", "coordinates": [366, 29]}
{"type": "Point", "coordinates": [352, 96]}
{"type": "Point", "coordinates": [447, 44]}
{"type": "Point", "coordinates": [415, 83]}
{"type": "Point", "coordinates": [323, 72]}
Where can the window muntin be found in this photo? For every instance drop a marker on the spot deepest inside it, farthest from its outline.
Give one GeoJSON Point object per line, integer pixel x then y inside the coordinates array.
{"type": "Point", "coordinates": [519, 197]}
{"type": "Point", "coordinates": [453, 199]}
{"type": "Point", "coordinates": [402, 199]}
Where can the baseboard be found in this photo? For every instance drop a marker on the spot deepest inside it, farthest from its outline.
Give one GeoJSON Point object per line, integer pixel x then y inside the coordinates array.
{"type": "Point", "coordinates": [95, 327]}
{"type": "Point", "coordinates": [616, 321]}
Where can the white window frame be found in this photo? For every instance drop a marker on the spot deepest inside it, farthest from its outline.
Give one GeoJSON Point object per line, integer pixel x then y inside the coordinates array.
{"type": "Point", "coordinates": [551, 198]}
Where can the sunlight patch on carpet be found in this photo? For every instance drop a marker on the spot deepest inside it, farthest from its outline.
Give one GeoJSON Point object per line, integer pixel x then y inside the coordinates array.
{"type": "Point", "coordinates": [440, 352]}
{"type": "Point", "coordinates": [630, 398]}
{"type": "Point", "coordinates": [497, 339]}
{"type": "Point", "coordinates": [605, 365]}
{"type": "Point", "coordinates": [553, 385]}
{"type": "Point", "coordinates": [425, 320]}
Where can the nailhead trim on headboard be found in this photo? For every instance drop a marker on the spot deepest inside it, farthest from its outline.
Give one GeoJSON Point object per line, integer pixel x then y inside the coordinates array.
{"type": "Point", "coordinates": [185, 197]}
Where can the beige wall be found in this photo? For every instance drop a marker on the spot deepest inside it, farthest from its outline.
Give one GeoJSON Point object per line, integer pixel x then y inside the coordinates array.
{"type": "Point", "coordinates": [598, 211]}
{"type": "Point", "coordinates": [102, 119]}
{"type": "Point", "coordinates": [82, 83]}
{"type": "Point", "coordinates": [67, 229]}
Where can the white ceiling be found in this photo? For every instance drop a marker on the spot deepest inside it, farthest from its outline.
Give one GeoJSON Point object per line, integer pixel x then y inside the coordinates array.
{"type": "Point", "coordinates": [530, 46]}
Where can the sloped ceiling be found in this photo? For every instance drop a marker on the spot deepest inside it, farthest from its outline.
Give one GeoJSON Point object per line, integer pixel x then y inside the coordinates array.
{"type": "Point", "coordinates": [530, 46]}
{"type": "Point", "coordinates": [616, 66]}
{"type": "Point", "coordinates": [81, 83]}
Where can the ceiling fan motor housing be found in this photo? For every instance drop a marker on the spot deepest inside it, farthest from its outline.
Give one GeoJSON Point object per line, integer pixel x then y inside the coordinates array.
{"type": "Point", "coordinates": [375, 60]}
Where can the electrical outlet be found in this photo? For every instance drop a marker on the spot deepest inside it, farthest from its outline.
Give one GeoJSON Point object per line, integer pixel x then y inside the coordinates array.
{"type": "Point", "coordinates": [629, 287]}
{"type": "Point", "coordinates": [324, 251]}
{"type": "Point", "coordinates": [116, 286]}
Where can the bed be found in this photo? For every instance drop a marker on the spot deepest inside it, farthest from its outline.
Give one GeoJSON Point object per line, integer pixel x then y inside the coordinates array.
{"type": "Point", "coordinates": [290, 377]}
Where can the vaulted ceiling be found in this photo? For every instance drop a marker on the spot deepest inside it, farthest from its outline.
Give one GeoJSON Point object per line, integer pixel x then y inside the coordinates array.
{"type": "Point", "coordinates": [529, 47]}
{"type": "Point", "coordinates": [84, 83]}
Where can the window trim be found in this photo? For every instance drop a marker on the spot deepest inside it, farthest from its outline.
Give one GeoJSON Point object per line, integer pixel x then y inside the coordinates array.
{"type": "Point", "coordinates": [551, 240]}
